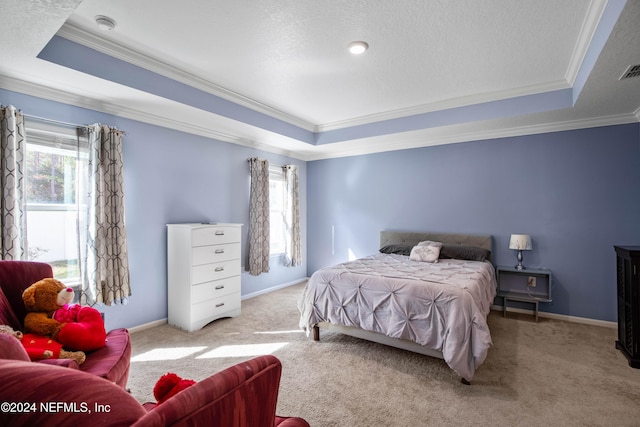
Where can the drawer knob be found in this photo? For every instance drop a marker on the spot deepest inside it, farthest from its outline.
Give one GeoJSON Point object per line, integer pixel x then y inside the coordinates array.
{"type": "Point", "coordinates": [219, 233]}
{"type": "Point", "coordinates": [219, 269]}
{"type": "Point", "coordinates": [219, 287]}
{"type": "Point", "coordinates": [219, 251]}
{"type": "Point", "coordinates": [219, 305]}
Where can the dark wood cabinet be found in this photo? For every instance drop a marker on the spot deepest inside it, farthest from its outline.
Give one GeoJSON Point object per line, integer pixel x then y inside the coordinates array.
{"type": "Point", "coordinates": [628, 285]}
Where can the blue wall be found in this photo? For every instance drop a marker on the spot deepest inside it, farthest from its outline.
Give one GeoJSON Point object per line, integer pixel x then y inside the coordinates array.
{"type": "Point", "coordinates": [577, 193]}
{"type": "Point", "coordinates": [172, 177]}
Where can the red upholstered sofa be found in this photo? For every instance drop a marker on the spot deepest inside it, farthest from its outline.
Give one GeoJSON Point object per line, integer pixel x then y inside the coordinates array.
{"type": "Point", "coordinates": [244, 395]}
{"type": "Point", "coordinates": [111, 362]}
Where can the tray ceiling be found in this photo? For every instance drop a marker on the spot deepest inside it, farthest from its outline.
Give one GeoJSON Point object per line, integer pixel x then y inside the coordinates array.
{"type": "Point", "coordinates": [277, 74]}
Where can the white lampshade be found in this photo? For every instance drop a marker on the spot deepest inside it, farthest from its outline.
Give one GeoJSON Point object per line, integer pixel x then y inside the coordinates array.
{"type": "Point", "coordinates": [520, 242]}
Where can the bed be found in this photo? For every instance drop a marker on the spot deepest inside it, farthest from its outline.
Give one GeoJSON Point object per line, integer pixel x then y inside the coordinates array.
{"type": "Point", "coordinates": [434, 308]}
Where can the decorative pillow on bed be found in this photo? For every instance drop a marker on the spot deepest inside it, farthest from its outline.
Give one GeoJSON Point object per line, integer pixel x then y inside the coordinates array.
{"type": "Point", "coordinates": [426, 251]}
{"type": "Point", "coordinates": [396, 249]}
{"type": "Point", "coordinates": [469, 253]}
{"type": "Point", "coordinates": [430, 243]}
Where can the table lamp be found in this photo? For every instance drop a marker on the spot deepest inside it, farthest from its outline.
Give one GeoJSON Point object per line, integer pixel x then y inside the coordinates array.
{"type": "Point", "coordinates": [520, 242]}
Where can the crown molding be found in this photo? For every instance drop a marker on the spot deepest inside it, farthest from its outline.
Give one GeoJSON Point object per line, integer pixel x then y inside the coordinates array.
{"type": "Point", "coordinates": [447, 104]}
{"type": "Point", "coordinates": [398, 141]}
{"type": "Point", "coordinates": [100, 105]}
{"type": "Point", "coordinates": [589, 26]}
{"type": "Point", "coordinates": [420, 139]}
{"type": "Point", "coordinates": [88, 39]}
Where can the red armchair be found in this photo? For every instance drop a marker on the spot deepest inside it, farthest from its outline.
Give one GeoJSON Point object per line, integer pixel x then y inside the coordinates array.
{"type": "Point", "coordinates": [244, 395]}
{"type": "Point", "coordinates": [111, 362]}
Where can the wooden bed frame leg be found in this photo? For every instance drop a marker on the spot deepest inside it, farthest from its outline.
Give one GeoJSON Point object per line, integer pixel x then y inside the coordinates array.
{"type": "Point", "coordinates": [316, 333]}
{"type": "Point", "coordinates": [465, 382]}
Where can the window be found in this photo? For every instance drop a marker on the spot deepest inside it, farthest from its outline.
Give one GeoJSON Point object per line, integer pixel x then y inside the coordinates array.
{"type": "Point", "coordinates": [276, 211]}
{"type": "Point", "coordinates": [54, 164]}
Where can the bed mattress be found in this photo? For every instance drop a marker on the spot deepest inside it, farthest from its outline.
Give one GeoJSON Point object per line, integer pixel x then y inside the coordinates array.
{"type": "Point", "coordinates": [442, 306]}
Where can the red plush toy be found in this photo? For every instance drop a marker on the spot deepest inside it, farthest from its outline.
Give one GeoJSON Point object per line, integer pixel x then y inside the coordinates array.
{"type": "Point", "coordinates": [39, 347]}
{"type": "Point", "coordinates": [169, 385]}
{"type": "Point", "coordinates": [83, 327]}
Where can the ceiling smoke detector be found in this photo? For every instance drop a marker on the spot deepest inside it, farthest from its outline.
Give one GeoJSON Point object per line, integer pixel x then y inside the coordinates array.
{"type": "Point", "coordinates": [631, 71]}
{"type": "Point", "coordinates": [105, 23]}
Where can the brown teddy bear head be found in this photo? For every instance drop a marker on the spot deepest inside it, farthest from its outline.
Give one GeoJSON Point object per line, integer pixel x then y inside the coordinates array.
{"type": "Point", "coordinates": [46, 296]}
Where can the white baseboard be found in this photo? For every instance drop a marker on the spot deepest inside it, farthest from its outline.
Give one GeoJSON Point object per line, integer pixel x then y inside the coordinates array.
{"type": "Point", "coordinates": [273, 288]}
{"type": "Point", "coordinates": [564, 317]}
{"type": "Point", "coordinates": [149, 325]}
{"type": "Point", "coordinates": [159, 322]}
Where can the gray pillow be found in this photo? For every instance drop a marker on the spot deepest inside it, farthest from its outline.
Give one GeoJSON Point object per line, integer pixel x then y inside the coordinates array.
{"type": "Point", "coordinates": [396, 249]}
{"type": "Point", "coordinates": [469, 253]}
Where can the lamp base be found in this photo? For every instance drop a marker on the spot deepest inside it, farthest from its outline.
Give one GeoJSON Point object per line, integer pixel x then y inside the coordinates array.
{"type": "Point", "coordinates": [520, 266]}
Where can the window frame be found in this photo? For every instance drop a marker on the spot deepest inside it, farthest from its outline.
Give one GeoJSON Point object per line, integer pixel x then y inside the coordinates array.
{"type": "Point", "coordinates": [277, 244]}
{"type": "Point", "coordinates": [62, 141]}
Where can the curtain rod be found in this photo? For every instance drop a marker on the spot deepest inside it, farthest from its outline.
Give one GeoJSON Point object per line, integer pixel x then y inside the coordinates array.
{"type": "Point", "coordinates": [270, 164]}
{"type": "Point", "coordinates": [57, 122]}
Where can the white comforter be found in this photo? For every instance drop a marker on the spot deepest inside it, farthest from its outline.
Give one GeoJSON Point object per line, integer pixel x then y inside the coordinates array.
{"type": "Point", "coordinates": [442, 306]}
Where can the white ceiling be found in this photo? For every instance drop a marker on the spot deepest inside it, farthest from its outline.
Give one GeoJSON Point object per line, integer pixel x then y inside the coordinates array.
{"type": "Point", "coordinates": [288, 59]}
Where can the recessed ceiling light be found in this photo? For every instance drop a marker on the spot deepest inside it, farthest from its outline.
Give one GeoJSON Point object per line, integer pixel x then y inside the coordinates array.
{"type": "Point", "coordinates": [358, 47]}
{"type": "Point", "coordinates": [105, 23]}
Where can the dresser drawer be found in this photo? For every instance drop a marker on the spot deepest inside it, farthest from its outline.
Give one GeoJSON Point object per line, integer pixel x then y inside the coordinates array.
{"type": "Point", "coordinates": [215, 271]}
{"type": "Point", "coordinates": [215, 253]}
{"type": "Point", "coordinates": [215, 235]}
{"type": "Point", "coordinates": [216, 289]}
{"type": "Point", "coordinates": [215, 308]}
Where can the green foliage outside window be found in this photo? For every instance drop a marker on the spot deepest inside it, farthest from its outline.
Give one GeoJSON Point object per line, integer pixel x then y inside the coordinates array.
{"type": "Point", "coordinates": [52, 178]}
{"type": "Point", "coordinates": [65, 269]}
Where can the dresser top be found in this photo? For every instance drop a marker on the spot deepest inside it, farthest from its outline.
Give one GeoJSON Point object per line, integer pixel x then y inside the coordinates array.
{"type": "Point", "coordinates": [194, 225]}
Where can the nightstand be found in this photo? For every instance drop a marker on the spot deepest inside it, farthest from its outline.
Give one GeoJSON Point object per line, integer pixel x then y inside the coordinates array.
{"type": "Point", "coordinates": [531, 285]}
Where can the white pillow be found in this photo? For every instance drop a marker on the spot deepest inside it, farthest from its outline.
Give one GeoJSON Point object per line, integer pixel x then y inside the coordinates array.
{"type": "Point", "coordinates": [425, 253]}
{"type": "Point", "coordinates": [430, 243]}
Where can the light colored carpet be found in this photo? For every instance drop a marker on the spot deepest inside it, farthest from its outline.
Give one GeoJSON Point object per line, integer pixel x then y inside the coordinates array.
{"type": "Point", "coordinates": [549, 373]}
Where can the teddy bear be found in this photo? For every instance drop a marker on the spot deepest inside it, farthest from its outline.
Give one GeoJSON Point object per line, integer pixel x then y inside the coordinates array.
{"type": "Point", "coordinates": [41, 300]}
{"type": "Point", "coordinates": [50, 313]}
{"type": "Point", "coordinates": [169, 385]}
{"type": "Point", "coordinates": [39, 347]}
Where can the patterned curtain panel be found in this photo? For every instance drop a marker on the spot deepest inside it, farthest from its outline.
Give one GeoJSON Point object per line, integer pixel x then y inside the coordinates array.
{"type": "Point", "coordinates": [259, 230]}
{"type": "Point", "coordinates": [292, 254]}
{"type": "Point", "coordinates": [105, 261]}
{"type": "Point", "coordinates": [13, 215]}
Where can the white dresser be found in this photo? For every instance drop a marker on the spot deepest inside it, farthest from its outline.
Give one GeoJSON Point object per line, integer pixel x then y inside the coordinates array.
{"type": "Point", "coordinates": [203, 263]}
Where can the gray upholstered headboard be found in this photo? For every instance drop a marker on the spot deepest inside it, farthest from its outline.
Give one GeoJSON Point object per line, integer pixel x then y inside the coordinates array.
{"type": "Point", "coordinates": [413, 238]}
